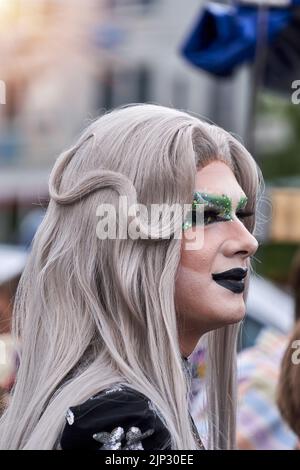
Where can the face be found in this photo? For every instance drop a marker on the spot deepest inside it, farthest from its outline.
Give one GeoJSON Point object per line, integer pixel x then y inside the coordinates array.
{"type": "Point", "coordinates": [210, 280]}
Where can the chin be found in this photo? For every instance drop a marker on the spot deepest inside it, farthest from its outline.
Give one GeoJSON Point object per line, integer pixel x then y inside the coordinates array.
{"type": "Point", "coordinates": [231, 316]}
{"type": "Point", "coordinates": [236, 316]}
{"type": "Point", "coordinates": [235, 309]}
{"type": "Point", "coordinates": [228, 318]}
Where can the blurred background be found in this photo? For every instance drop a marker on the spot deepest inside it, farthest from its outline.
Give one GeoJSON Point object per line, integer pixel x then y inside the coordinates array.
{"type": "Point", "coordinates": [65, 62]}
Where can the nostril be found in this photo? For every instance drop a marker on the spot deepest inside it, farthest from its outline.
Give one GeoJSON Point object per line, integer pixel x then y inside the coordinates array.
{"type": "Point", "coordinates": [243, 253]}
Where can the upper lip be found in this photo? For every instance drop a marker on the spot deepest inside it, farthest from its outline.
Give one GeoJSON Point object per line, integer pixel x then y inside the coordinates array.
{"type": "Point", "coordinates": [235, 274]}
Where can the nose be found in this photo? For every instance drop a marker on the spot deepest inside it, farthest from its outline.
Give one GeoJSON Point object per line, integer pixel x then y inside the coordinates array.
{"type": "Point", "coordinates": [241, 241]}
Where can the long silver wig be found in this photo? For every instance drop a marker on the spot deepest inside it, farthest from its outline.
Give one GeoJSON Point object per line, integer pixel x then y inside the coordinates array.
{"type": "Point", "coordinates": [89, 312]}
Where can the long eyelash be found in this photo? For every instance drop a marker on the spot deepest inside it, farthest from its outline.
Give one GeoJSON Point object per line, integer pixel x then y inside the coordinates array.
{"type": "Point", "coordinates": [207, 213]}
{"type": "Point", "coordinates": [210, 212]}
{"type": "Point", "coordinates": [216, 215]}
{"type": "Point", "coordinates": [244, 214]}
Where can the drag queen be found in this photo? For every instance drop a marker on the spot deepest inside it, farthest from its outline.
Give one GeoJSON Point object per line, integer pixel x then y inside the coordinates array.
{"type": "Point", "coordinates": [106, 321]}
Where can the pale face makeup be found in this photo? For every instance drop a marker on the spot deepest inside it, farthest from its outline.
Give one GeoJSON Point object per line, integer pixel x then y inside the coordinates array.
{"type": "Point", "coordinates": [206, 298]}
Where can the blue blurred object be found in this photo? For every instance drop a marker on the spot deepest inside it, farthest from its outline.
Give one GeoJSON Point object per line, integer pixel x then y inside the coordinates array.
{"type": "Point", "coordinates": [29, 225]}
{"type": "Point", "coordinates": [225, 36]}
{"type": "Point", "coordinates": [108, 36]}
{"type": "Point", "coordinates": [12, 262]}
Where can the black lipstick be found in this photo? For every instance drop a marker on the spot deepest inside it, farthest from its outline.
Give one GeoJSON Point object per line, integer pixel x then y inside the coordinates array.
{"type": "Point", "coordinates": [232, 279]}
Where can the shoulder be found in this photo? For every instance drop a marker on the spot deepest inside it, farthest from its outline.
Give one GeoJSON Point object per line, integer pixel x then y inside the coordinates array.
{"type": "Point", "coordinates": [116, 418]}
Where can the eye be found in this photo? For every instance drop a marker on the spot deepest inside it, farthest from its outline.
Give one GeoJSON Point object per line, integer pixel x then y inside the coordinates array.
{"type": "Point", "coordinates": [210, 216]}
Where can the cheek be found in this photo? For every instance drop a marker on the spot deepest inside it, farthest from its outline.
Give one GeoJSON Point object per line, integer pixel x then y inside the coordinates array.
{"type": "Point", "coordinates": [194, 276]}
{"type": "Point", "coordinates": [201, 260]}
{"type": "Point", "coordinates": [192, 289]}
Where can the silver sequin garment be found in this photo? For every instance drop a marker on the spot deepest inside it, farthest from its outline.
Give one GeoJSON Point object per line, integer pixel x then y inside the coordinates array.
{"type": "Point", "coordinates": [70, 417]}
{"type": "Point", "coordinates": [130, 439]}
{"type": "Point", "coordinates": [113, 440]}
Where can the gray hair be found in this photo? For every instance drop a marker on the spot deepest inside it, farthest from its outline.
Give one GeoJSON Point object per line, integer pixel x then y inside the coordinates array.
{"type": "Point", "coordinates": [90, 313]}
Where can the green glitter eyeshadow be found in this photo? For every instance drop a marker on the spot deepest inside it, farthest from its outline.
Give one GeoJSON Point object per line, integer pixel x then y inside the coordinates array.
{"type": "Point", "coordinates": [222, 204]}
{"type": "Point", "coordinates": [242, 203]}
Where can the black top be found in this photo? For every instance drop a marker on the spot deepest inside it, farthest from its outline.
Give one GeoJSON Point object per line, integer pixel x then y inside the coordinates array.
{"type": "Point", "coordinates": [118, 418]}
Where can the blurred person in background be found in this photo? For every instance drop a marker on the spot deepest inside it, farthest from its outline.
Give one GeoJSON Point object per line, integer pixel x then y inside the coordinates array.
{"type": "Point", "coordinates": [260, 424]}
{"type": "Point", "coordinates": [12, 261]}
{"type": "Point", "coordinates": [288, 392]}
{"type": "Point", "coordinates": [289, 383]}
{"type": "Point", "coordinates": [107, 324]}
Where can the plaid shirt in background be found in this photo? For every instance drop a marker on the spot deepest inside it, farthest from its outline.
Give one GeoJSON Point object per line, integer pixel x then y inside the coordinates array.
{"type": "Point", "coordinates": [8, 367]}
{"type": "Point", "coordinates": [259, 423]}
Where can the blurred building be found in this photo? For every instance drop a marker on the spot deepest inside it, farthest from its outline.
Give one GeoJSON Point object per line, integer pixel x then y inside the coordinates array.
{"type": "Point", "coordinates": [149, 66]}
{"type": "Point", "coordinates": [64, 63]}
{"type": "Point", "coordinates": [45, 64]}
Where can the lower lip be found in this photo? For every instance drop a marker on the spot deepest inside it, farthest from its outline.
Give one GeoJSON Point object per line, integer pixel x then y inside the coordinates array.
{"type": "Point", "coordinates": [237, 287]}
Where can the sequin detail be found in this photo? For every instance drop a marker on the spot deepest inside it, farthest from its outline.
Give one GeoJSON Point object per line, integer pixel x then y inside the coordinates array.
{"type": "Point", "coordinates": [113, 440]}
{"type": "Point", "coordinates": [113, 389]}
{"type": "Point", "coordinates": [116, 388]}
{"type": "Point", "coordinates": [110, 441]}
{"type": "Point", "coordinates": [70, 417]}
